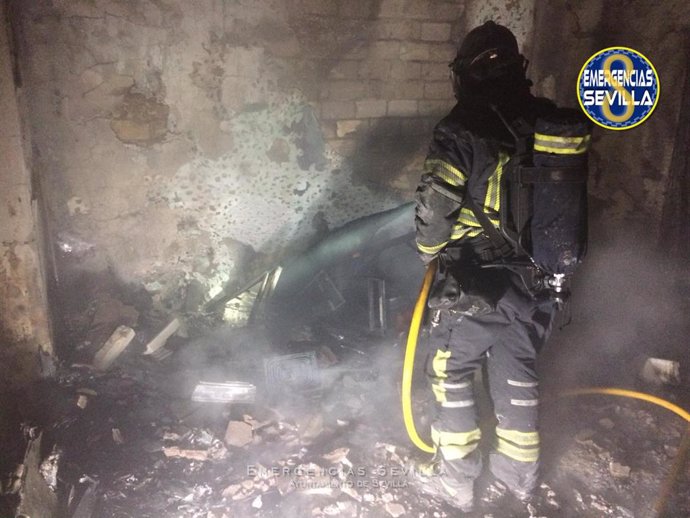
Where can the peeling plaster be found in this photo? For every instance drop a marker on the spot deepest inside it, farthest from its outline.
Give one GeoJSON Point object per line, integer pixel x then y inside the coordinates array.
{"type": "Point", "coordinates": [177, 140]}
{"type": "Point", "coordinates": [247, 197]}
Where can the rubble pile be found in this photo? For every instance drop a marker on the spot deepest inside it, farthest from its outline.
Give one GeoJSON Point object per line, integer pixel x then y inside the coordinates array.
{"type": "Point", "coordinates": [157, 424]}
{"type": "Point", "coordinates": [614, 458]}
{"type": "Point", "coordinates": [130, 438]}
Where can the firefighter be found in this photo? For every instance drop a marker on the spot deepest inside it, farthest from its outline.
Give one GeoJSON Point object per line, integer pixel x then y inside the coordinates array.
{"type": "Point", "coordinates": [482, 315]}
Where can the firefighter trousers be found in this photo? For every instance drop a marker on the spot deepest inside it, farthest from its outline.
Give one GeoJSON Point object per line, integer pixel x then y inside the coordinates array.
{"type": "Point", "coordinates": [508, 340]}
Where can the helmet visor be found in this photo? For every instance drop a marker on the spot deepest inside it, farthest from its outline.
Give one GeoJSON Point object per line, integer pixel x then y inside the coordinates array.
{"type": "Point", "coordinates": [493, 63]}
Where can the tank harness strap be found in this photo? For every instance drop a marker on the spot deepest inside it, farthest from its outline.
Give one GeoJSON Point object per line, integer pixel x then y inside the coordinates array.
{"type": "Point", "coordinates": [500, 243]}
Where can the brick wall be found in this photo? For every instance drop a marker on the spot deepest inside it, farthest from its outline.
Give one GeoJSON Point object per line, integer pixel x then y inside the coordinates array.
{"type": "Point", "coordinates": [184, 141]}
{"type": "Point", "coordinates": [397, 73]}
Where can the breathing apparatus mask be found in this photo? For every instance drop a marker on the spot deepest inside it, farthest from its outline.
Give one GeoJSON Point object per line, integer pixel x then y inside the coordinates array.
{"type": "Point", "coordinates": [488, 67]}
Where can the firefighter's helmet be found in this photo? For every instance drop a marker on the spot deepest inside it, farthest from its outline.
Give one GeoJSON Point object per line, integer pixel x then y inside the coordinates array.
{"type": "Point", "coordinates": [487, 57]}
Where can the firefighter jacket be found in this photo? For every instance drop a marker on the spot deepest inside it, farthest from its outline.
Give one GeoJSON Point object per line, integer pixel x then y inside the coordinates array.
{"type": "Point", "coordinates": [471, 142]}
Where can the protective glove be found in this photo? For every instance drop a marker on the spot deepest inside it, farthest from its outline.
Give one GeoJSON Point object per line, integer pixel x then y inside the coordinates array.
{"type": "Point", "coordinates": [449, 293]}
{"type": "Point", "coordinates": [468, 304]}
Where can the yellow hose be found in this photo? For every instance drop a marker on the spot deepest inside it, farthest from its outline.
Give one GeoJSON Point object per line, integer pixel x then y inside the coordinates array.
{"type": "Point", "coordinates": [408, 367]}
{"type": "Point", "coordinates": [630, 394]}
{"type": "Point", "coordinates": [677, 468]}
{"type": "Point", "coordinates": [408, 364]}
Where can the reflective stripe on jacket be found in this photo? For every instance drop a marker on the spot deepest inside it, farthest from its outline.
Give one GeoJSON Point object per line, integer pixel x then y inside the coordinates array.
{"type": "Point", "coordinates": [455, 154]}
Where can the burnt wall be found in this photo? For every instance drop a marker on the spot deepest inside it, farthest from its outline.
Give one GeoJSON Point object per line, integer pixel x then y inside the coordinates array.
{"type": "Point", "coordinates": [183, 146]}
{"type": "Point", "coordinates": [630, 169]}
{"type": "Point", "coordinates": [187, 143]}
{"type": "Point", "coordinates": [24, 323]}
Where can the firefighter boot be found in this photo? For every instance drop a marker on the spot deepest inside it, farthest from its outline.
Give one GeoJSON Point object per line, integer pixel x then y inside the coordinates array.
{"type": "Point", "coordinates": [430, 478]}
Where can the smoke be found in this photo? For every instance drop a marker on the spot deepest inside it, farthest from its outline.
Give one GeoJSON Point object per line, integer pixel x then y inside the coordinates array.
{"type": "Point", "coordinates": [629, 302]}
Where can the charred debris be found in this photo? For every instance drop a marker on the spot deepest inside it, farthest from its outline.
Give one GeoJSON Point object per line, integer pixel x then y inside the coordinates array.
{"type": "Point", "coordinates": [281, 399]}
{"type": "Point", "coordinates": [275, 398]}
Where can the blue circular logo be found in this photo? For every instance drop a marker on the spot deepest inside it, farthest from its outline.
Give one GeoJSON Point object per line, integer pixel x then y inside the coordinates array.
{"type": "Point", "coordinates": [618, 88]}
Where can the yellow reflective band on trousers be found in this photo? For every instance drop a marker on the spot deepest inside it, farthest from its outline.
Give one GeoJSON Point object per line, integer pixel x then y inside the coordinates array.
{"type": "Point", "coordinates": [440, 363]}
{"type": "Point", "coordinates": [439, 393]}
{"type": "Point", "coordinates": [456, 445]}
{"type": "Point", "coordinates": [518, 437]}
{"type": "Point", "coordinates": [561, 145]}
{"type": "Point", "coordinates": [439, 390]}
{"type": "Point", "coordinates": [521, 446]}
{"type": "Point", "coordinates": [444, 170]}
